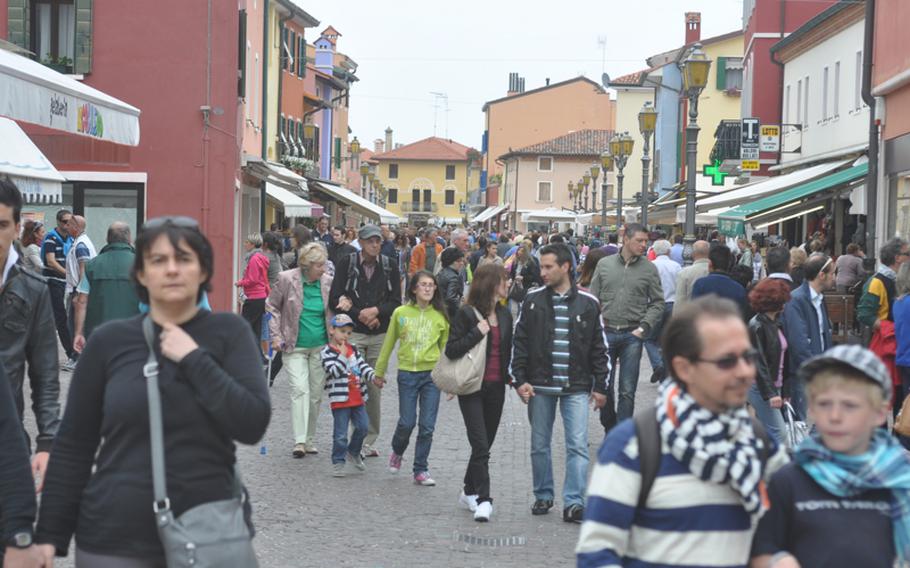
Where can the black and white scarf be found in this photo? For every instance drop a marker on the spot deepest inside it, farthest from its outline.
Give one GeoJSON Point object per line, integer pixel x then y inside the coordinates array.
{"type": "Point", "coordinates": [720, 448]}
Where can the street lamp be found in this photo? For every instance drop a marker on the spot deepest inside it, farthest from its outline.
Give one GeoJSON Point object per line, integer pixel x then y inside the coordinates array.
{"type": "Point", "coordinates": [621, 147]}
{"type": "Point", "coordinates": [587, 180]}
{"type": "Point", "coordinates": [606, 165]}
{"type": "Point", "coordinates": [695, 77]}
{"type": "Point", "coordinates": [595, 170]}
{"type": "Point", "coordinates": [580, 188]}
{"type": "Point", "coordinates": [647, 122]}
{"type": "Point", "coordinates": [355, 147]}
{"type": "Point", "coordinates": [572, 193]}
{"type": "Point", "coordinates": [364, 172]}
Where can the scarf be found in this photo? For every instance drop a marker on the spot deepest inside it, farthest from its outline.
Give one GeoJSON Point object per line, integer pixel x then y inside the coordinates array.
{"type": "Point", "coordinates": [720, 448]}
{"type": "Point", "coordinates": [885, 465]}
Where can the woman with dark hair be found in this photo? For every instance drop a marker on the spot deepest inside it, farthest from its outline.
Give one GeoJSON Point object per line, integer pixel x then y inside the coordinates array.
{"type": "Point", "coordinates": [300, 235]}
{"type": "Point", "coordinates": [32, 237]}
{"type": "Point", "coordinates": [421, 328]}
{"type": "Point", "coordinates": [525, 275]}
{"type": "Point", "coordinates": [482, 410]}
{"type": "Point", "coordinates": [451, 287]}
{"type": "Point", "coordinates": [771, 387]}
{"type": "Point", "coordinates": [489, 255]}
{"type": "Point", "coordinates": [586, 272]}
{"type": "Point", "coordinates": [403, 248]}
{"type": "Point", "coordinates": [212, 394]}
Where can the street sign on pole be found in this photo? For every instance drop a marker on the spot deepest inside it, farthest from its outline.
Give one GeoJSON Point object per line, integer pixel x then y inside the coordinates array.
{"type": "Point", "coordinates": [770, 138]}
{"type": "Point", "coordinates": [749, 144]}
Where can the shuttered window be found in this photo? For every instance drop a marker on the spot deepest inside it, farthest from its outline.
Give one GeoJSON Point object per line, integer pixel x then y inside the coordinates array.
{"type": "Point", "coordinates": [19, 23]}
{"type": "Point", "coordinates": [337, 154]}
{"type": "Point", "coordinates": [241, 57]}
{"type": "Point", "coordinates": [82, 60]}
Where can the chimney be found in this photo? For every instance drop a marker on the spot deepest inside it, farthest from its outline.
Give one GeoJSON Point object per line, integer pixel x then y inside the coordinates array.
{"type": "Point", "coordinates": [693, 27]}
{"type": "Point", "coordinates": [521, 85]}
{"type": "Point", "coordinates": [513, 84]}
{"type": "Point", "coordinates": [548, 81]}
{"type": "Point", "coordinates": [378, 146]}
{"type": "Point", "coordinates": [388, 138]}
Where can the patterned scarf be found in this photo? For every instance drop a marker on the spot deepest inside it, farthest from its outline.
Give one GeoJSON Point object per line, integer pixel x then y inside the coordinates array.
{"type": "Point", "coordinates": [885, 465]}
{"type": "Point", "coordinates": [720, 448]}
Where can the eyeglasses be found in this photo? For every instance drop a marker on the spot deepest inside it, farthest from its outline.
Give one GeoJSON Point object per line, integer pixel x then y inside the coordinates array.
{"type": "Point", "coordinates": [178, 221]}
{"type": "Point", "coordinates": [727, 362]}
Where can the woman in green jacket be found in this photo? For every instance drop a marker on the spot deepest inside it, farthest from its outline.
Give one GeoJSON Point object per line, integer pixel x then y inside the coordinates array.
{"type": "Point", "coordinates": [421, 329]}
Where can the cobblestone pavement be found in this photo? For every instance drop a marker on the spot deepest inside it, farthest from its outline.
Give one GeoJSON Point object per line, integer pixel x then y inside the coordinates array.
{"type": "Point", "coordinates": [306, 518]}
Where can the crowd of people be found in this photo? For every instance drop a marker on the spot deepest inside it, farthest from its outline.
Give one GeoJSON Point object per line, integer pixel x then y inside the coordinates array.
{"type": "Point", "coordinates": [740, 342]}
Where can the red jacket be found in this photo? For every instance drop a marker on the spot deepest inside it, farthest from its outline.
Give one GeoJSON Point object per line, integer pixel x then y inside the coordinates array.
{"type": "Point", "coordinates": [255, 281]}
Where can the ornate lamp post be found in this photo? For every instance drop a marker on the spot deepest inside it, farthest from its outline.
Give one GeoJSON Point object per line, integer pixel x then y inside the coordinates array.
{"type": "Point", "coordinates": [621, 147]}
{"type": "Point", "coordinates": [606, 165]}
{"type": "Point", "coordinates": [587, 180]}
{"type": "Point", "coordinates": [580, 188]}
{"type": "Point", "coordinates": [364, 172]}
{"type": "Point", "coordinates": [647, 121]}
{"type": "Point", "coordinates": [695, 76]}
{"type": "Point", "coordinates": [595, 170]}
{"type": "Point", "coordinates": [572, 193]}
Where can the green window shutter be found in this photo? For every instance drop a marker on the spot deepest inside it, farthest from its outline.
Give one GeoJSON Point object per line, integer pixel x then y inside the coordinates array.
{"type": "Point", "coordinates": [17, 17]}
{"type": "Point", "coordinates": [721, 73]}
{"type": "Point", "coordinates": [82, 63]}
{"type": "Point", "coordinates": [337, 153]}
{"type": "Point", "coordinates": [303, 58]}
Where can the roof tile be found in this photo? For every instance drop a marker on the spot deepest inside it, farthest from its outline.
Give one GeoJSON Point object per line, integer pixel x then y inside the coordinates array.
{"type": "Point", "coordinates": [431, 148]}
{"type": "Point", "coordinates": [582, 143]}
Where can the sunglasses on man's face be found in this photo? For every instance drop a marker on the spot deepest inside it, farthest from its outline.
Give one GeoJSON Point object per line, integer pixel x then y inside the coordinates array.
{"type": "Point", "coordinates": [178, 221]}
{"type": "Point", "coordinates": [728, 362]}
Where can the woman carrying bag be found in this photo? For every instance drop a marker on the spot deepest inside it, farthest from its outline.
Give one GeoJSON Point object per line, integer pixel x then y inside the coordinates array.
{"type": "Point", "coordinates": [211, 393]}
{"type": "Point", "coordinates": [482, 410]}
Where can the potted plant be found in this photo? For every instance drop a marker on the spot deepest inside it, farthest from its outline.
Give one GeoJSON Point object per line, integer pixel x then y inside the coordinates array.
{"type": "Point", "coordinates": [59, 64]}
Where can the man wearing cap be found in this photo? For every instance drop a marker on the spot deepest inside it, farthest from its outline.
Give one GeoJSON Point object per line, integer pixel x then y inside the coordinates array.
{"type": "Point", "coordinates": [367, 287]}
{"type": "Point", "coordinates": [845, 500]}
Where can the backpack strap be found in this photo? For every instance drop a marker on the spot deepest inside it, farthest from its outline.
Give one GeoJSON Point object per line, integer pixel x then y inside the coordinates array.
{"type": "Point", "coordinates": [647, 428]}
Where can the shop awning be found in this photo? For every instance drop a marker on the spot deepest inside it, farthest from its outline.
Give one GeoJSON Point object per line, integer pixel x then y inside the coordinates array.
{"type": "Point", "coordinates": [277, 175]}
{"type": "Point", "coordinates": [37, 179]}
{"type": "Point", "coordinates": [453, 221]}
{"type": "Point", "coordinates": [355, 202]}
{"type": "Point", "coordinates": [32, 92]}
{"type": "Point", "coordinates": [489, 213]}
{"type": "Point", "coordinates": [789, 203]}
{"type": "Point", "coordinates": [549, 214]}
{"type": "Point", "coordinates": [293, 205]}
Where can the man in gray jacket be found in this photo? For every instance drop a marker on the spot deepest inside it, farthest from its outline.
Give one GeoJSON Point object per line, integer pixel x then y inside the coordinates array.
{"type": "Point", "coordinates": [632, 304]}
{"type": "Point", "coordinates": [700, 267]}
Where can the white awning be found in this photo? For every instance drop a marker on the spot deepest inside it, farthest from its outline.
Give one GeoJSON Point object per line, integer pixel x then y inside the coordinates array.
{"type": "Point", "coordinates": [294, 205]}
{"type": "Point", "coordinates": [355, 202]}
{"type": "Point", "coordinates": [489, 213]}
{"type": "Point", "coordinates": [277, 175]}
{"type": "Point", "coordinates": [453, 221]}
{"type": "Point", "coordinates": [37, 179]}
{"type": "Point", "coordinates": [32, 92]}
{"type": "Point", "coordinates": [548, 214]}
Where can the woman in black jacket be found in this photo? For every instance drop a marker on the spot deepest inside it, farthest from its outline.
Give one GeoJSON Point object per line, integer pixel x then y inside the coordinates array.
{"type": "Point", "coordinates": [483, 409]}
{"type": "Point", "coordinates": [771, 387]}
{"type": "Point", "coordinates": [451, 286]}
{"type": "Point", "coordinates": [213, 394]}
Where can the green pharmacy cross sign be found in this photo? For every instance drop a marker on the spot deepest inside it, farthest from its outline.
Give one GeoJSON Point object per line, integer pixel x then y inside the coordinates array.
{"type": "Point", "coordinates": [713, 172]}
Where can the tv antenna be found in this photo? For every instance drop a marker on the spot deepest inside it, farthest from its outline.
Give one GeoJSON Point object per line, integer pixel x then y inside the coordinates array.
{"type": "Point", "coordinates": [437, 99]}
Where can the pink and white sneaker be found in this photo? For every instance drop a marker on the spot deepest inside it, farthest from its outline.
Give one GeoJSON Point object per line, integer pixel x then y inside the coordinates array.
{"type": "Point", "coordinates": [394, 463]}
{"type": "Point", "coordinates": [423, 478]}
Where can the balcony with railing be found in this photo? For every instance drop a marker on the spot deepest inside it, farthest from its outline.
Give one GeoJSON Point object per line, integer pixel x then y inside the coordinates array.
{"type": "Point", "coordinates": [418, 207]}
{"type": "Point", "coordinates": [727, 139]}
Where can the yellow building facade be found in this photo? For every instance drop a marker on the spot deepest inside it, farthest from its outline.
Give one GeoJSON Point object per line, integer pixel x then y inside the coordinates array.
{"type": "Point", "coordinates": [715, 103]}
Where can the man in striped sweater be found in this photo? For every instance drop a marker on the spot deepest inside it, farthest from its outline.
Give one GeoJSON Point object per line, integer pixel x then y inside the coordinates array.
{"type": "Point", "coordinates": [696, 499]}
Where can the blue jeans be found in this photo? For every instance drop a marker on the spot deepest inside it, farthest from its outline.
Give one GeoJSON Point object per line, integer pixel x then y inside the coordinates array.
{"type": "Point", "coordinates": [625, 349]}
{"type": "Point", "coordinates": [541, 414]}
{"type": "Point", "coordinates": [414, 387]}
{"type": "Point", "coordinates": [771, 418]}
{"type": "Point", "coordinates": [652, 343]}
{"type": "Point", "coordinates": [357, 417]}
{"type": "Point", "coordinates": [798, 398]}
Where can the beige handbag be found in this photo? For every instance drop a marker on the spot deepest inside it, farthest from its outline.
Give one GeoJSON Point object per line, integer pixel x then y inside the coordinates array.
{"type": "Point", "coordinates": [465, 375]}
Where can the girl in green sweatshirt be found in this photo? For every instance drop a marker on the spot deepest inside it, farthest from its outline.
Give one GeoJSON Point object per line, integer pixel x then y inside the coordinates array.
{"type": "Point", "coordinates": [421, 330]}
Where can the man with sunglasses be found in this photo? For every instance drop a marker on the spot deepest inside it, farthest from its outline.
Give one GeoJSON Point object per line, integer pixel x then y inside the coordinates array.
{"type": "Point", "coordinates": [683, 484]}
{"type": "Point", "coordinates": [806, 324]}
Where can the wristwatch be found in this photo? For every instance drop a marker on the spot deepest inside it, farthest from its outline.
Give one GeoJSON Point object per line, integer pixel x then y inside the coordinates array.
{"type": "Point", "coordinates": [21, 539]}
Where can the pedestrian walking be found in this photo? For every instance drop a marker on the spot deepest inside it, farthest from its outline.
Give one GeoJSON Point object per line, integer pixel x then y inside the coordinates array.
{"type": "Point", "coordinates": [676, 251]}
{"type": "Point", "coordinates": [425, 254]}
{"type": "Point", "coordinates": [420, 328]}
{"type": "Point", "coordinates": [27, 336]}
{"type": "Point", "coordinates": [482, 410]}
{"type": "Point", "coordinates": [806, 323]}
{"type": "Point", "coordinates": [451, 287]}
{"type": "Point", "coordinates": [33, 234]}
{"type": "Point", "coordinates": [758, 264]}
{"type": "Point", "coordinates": [632, 302]}
{"type": "Point", "coordinates": [772, 367]}
{"type": "Point", "coordinates": [346, 377]}
{"type": "Point", "coordinates": [700, 267]}
{"type": "Point", "coordinates": [212, 395]}
{"type": "Point", "coordinates": [53, 251]}
{"type": "Point", "coordinates": [299, 312]}
{"type": "Point", "coordinates": [683, 483]}
{"type": "Point", "coordinates": [778, 259]}
{"type": "Point", "coordinates": [901, 313]}
{"type": "Point", "coordinates": [587, 268]}
{"type": "Point", "coordinates": [300, 235]}
{"type": "Point", "coordinates": [845, 499]}
{"type": "Point", "coordinates": [338, 247]}
{"type": "Point", "coordinates": [489, 256]}
{"type": "Point", "coordinates": [559, 358]}
{"type": "Point", "coordinates": [668, 270]}
{"type": "Point", "coordinates": [255, 284]}
{"type": "Point", "coordinates": [322, 233]}
{"type": "Point", "coordinates": [850, 268]}
{"type": "Point", "coordinates": [367, 287]}
{"type": "Point", "coordinates": [106, 291]}
{"type": "Point", "coordinates": [719, 281]}
{"type": "Point", "coordinates": [798, 257]}
{"type": "Point", "coordinates": [525, 275]}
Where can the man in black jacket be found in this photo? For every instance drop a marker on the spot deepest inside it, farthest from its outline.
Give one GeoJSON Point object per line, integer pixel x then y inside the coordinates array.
{"type": "Point", "coordinates": [27, 333]}
{"type": "Point", "coordinates": [367, 287]}
{"type": "Point", "coordinates": [559, 357]}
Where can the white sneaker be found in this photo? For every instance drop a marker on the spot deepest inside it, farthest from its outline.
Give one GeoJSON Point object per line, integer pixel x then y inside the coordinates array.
{"type": "Point", "coordinates": [69, 365]}
{"type": "Point", "coordinates": [483, 512]}
{"type": "Point", "coordinates": [469, 502]}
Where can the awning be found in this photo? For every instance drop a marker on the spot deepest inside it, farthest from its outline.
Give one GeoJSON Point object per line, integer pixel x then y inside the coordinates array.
{"type": "Point", "coordinates": [787, 204]}
{"type": "Point", "coordinates": [293, 205]}
{"type": "Point", "coordinates": [31, 92]}
{"type": "Point", "coordinates": [37, 179]}
{"type": "Point", "coordinates": [453, 221]}
{"type": "Point", "coordinates": [549, 214]}
{"type": "Point", "coordinates": [489, 213]}
{"type": "Point", "coordinates": [355, 202]}
{"type": "Point", "coordinates": [277, 175]}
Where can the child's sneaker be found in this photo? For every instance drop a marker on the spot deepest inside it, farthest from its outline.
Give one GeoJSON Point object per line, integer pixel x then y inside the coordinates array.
{"type": "Point", "coordinates": [469, 502]}
{"type": "Point", "coordinates": [394, 463]}
{"type": "Point", "coordinates": [357, 461]}
{"type": "Point", "coordinates": [338, 469]}
{"type": "Point", "coordinates": [423, 478]}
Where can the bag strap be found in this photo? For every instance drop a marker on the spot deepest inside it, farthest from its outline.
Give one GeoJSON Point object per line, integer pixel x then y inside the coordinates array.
{"type": "Point", "coordinates": [156, 430]}
{"type": "Point", "coordinates": [647, 429]}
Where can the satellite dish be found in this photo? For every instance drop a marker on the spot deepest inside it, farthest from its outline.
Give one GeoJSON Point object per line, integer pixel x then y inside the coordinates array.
{"type": "Point", "coordinates": [605, 79]}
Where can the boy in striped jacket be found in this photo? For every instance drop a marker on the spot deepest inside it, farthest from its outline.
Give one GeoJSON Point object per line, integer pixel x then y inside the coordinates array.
{"type": "Point", "coordinates": [346, 378]}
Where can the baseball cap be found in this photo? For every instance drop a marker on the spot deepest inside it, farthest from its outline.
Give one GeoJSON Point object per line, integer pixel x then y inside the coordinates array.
{"type": "Point", "coordinates": [369, 231]}
{"type": "Point", "coordinates": [342, 320]}
{"type": "Point", "coordinates": [856, 357]}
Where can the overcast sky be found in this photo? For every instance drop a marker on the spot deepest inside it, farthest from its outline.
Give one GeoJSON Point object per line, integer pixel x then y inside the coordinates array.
{"type": "Point", "coordinates": [408, 49]}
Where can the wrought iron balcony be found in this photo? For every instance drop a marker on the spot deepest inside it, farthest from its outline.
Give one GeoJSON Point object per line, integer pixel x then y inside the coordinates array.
{"type": "Point", "coordinates": [418, 207]}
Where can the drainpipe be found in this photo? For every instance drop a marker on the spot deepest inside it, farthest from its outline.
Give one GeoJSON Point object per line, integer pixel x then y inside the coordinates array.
{"type": "Point", "coordinates": [872, 177]}
{"type": "Point", "coordinates": [265, 105]}
{"type": "Point", "coordinates": [783, 88]}
{"type": "Point", "coordinates": [206, 110]}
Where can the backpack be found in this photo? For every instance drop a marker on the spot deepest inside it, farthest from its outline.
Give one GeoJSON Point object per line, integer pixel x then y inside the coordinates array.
{"type": "Point", "coordinates": [647, 428]}
{"type": "Point", "coordinates": [353, 260]}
